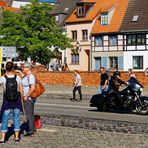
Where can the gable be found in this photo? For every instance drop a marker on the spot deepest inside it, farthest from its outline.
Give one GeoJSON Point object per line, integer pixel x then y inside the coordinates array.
{"type": "Point", "coordinates": [118, 9]}
{"type": "Point", "coordinates": [90, 15]}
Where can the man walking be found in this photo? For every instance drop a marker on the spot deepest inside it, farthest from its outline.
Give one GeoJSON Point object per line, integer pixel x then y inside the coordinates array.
{"type": "Point", "coordinates": [77, 85]}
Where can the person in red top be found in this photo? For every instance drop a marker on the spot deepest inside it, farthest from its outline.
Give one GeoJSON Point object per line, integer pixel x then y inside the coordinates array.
{"type": "Point", "coordinates": [66, 68]}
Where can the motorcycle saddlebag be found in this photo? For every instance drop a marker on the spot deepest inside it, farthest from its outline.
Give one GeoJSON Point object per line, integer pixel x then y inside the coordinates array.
{"type": "Point", "coordinates": [97, 99]}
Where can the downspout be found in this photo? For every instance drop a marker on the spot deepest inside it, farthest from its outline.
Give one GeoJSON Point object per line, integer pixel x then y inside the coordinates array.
{"type": "Point", "coordinates": [90, 57]}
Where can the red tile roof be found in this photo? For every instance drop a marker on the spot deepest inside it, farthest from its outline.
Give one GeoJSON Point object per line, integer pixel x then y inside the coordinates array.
{"type": "Point", "coordinates": [90, 16]}
{"type": "Point", "coordinates": [116, 20]}
{"type": "Point", "coordinates": [3, 4]}
{"type": "Point", "coordinates": [108, 6]}
{"type": "Point", "coordinates": [12, 9]}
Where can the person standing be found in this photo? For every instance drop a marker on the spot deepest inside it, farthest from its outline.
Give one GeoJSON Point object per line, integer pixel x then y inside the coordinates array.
{"type": "Point", "coordinates": [13, 93]}
{"type": "Point", "coordinates": [103, 81]}
{"type": "Point", "coordinates": [28, 82]}
{"type": "Point", "coordinates": [146, 72]}
{"type": "Point", "coordinates": [77, 86]}
{"type": "Point", "coordinates": [131, 73]}
{"type": "Point", "coordinates": [66, 68]}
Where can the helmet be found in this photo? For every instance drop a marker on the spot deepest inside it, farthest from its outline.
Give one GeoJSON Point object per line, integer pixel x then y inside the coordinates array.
{"type": "Point", "coordinates": [116, 73]}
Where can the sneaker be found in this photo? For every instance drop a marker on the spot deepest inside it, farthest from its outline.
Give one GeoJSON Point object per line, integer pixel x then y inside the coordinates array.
{"type": "Point", "coordinates": [75, 100]}
{"type": "Point", "coordinates": [2, 142]}
{"type": "Point", "coordinates": [17, 140]}
{"type": "Point", "coordinates": [71, 99]}
{"type": "Point", "coordinates": [80, 100]}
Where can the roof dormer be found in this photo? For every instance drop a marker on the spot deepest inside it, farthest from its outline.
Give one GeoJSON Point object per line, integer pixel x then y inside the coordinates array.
{"type": "Point", "coordinates": [106, 14]}
{"type": "Point", "coordinates": [83, 8]}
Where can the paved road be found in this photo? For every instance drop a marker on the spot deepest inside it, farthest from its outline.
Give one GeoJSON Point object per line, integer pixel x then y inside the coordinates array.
{"type": "Point", "coordinates": [50, 104]}
{"type": "Point", "coordinates": [82, 109]}
{"type": "Point", "coordinates": [63, 137]}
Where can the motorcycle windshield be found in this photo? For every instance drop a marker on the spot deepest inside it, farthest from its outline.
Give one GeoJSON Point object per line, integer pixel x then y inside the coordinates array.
{"type": "Point", "coordinates": [134, 84]}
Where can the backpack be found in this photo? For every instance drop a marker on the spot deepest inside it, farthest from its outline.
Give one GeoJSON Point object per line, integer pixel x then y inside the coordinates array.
{"type": "Point", "coordinates": [11, 93]}
{"type": "Point", "coordinates": [39, 89]}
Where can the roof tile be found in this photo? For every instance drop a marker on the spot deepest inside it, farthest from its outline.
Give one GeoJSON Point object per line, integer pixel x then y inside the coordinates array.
{"type": "Point", "coordinates": [90, 16]}
{"type": "Point", "coordinates": [136, 7]}
{"type": "Point", "coordinates": [12, 9]}
{"type": "Point", "coordinates": [116, 20]}
{"type": "Point", "coordinates": [4, 4]}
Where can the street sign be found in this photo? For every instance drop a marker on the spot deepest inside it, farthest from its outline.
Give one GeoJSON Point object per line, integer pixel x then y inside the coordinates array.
{"type": "Point", "coordinates": [8, 52]}
{"type": "Point", "coordinates": [1, 54]}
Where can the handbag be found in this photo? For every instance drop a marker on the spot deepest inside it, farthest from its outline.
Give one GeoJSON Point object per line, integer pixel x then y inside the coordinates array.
{"type": "Point", "coordinates": [39, 89]}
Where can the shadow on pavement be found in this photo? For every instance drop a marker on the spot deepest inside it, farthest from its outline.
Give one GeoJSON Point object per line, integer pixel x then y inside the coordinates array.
{"type": "Point", "coordinates": [113, 111]}
{"type": "Point", "coordinates": [23, 128]}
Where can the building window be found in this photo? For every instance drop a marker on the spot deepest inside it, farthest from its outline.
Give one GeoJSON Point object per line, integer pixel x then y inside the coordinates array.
{"type": "Point", "coordinates": [75, 58]}
{"type": "Point", "coordinates": [139, 39]}
{"type": "Point", "coordinates": [104, 19]}
{"type": "Point", "coordinates": [66, 10]}
{"type": "Point", "coordinates": [131, 39]}
{"type": "Point", "coordinates": [84, 35]}
{"type": "Point", "coordinates": [57, 18]}
{"type": "Point", "coordinates": [113, 62]}
{"type": "Point", "coordinates": [80, 11]}
{"type": "Point", "coordinates": [74, 35]}
{"type": "Point", "coordinates": [135, 18]}
{"type": "Point", "coordinates": [137, 62]}
{"type": "Point", "coordinates": [97, 63]}
{"type": "Point", "coordinates": [113, 40]}
{"type": "Point", "coordinates": [99, 41]}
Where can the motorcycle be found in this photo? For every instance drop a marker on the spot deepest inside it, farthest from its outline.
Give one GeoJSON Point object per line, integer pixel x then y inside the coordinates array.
{"type": "Point", "coordinates": [131, 96]}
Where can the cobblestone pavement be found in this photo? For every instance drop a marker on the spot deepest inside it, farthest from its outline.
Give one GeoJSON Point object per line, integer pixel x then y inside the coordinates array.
{"type": "Point", "coordinates": [95, 124]}
{"type": "Point", "coordinates": [63, 137]}
{"type": "Point", "coordinates": [66, 137]}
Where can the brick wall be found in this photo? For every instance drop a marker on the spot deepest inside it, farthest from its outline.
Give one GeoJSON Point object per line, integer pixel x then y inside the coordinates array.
{"type": "Point", "coordinates": [88, 78]}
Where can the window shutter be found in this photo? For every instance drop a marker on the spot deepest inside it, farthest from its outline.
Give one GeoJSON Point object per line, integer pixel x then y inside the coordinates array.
{"type": "Point", "coordinates": [104, 62]}
{"type": "Point", "coordinates": [120, 62]}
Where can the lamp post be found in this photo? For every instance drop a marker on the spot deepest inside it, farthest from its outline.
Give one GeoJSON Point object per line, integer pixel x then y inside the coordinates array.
{"type": "Point", "coordinates": [78, 49]}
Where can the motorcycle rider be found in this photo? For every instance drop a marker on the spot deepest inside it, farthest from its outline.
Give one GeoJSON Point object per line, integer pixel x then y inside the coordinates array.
{"type": "Point", "coordinates": [115, 82]}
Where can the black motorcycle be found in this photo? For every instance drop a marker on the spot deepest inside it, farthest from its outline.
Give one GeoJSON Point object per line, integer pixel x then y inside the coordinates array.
{"type": "Point", "coordinates": [131, 96]}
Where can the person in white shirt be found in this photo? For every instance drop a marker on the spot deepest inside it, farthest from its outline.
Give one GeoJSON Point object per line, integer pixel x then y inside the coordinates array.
{"type": "Point", "coordinates": [28, 83]}
{"type": "Point", "coordinates": [77, 86]}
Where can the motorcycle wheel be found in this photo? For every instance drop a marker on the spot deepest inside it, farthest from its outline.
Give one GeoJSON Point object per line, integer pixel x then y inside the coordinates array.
{"type": "Point", "coordinates": [102, 108]}
{"type": "Point", "coordinates": [142, 109]}
{"type": "Point", "coordinates": [99, 108]}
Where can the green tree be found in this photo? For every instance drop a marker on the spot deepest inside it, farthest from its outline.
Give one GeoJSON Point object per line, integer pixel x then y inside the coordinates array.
{"type": "Point", "coordinates": [34, 32]}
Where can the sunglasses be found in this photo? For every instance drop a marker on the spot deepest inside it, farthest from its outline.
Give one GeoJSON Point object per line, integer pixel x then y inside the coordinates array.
{"type": "Point", "coordinates": [24, 67]}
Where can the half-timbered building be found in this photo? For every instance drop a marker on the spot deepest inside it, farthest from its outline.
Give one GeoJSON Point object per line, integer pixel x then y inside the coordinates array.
{"type": "Point", "coordinates": [135, 29]}
{"type": "Point", "coordinates": [107, 48]}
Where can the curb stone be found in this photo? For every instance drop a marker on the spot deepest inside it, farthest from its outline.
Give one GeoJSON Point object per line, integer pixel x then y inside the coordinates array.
{"type": "Point", "coordinates": [95, 124]}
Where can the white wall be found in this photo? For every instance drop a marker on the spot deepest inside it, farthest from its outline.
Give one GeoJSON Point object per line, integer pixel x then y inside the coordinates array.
{"type": "Point", "coordinates": [104, 54]}
{"type": "Point", "coordinates": [128, 60]}
{"type": "Point", "coordinates": [84, 45]}
{"type": "Point", "coordinates": [17, 4]}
